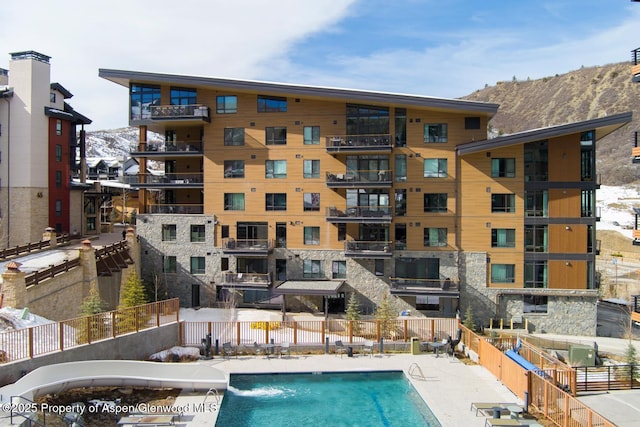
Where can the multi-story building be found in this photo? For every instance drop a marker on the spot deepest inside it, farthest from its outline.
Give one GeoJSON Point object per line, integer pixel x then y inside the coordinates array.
{"type": "Point", "coordinates": [39, 153]}
{"type": "Point", "coordinates": [301, 195]}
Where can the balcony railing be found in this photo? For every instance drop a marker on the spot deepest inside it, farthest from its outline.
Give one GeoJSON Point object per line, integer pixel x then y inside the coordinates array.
{"type": "Point", "coordinates": [368, 249]}
{"type": "Point", "coordinates": [337, 143]}
{"type": "Point", "coordinates": [176, 209]}
{"type": "Point", "coordinates": [169, 180]}
{"type": "Point", "coordinates": [635, 151]}
{"type": "Point", "coordinates": [360, 178]}
{"type": "Point", "coordinates": [247, 246]}
{"type": "Point", "coordinates": [368, 214]}
{"type": "Point", "coordinates": [246, 279]}
{"type": "Point", "coordinates": [635, 62]}
{"type": "Point", "coordinates": [171, 112]}
{"type": "Point", "coordinates": [166, 147]}
{"type": "Point", "coordinates": [404, 285]}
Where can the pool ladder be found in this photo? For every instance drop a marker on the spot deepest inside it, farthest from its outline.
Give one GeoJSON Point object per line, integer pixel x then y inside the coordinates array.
{"type": "Point", "coordinates": [415, 372]}
{"type": "Point", "coordinates": [212, 392]}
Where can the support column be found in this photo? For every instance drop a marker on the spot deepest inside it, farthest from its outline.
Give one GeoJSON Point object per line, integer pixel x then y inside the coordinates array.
{"type": "Point", "coordinates": [13, 287]}
{"type": "Point", "coordinates": [89, 269]}
{"type": "Point", "coordinates": [50, 235]}
{"type": "Point", "coordinates": [142, 170]}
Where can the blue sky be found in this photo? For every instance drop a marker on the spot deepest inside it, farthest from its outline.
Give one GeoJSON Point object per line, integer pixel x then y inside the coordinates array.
{"type": "Point", "coordinates": [442, 48]}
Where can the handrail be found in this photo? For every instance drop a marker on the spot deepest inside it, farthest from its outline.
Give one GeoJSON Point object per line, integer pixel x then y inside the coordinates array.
{"type": "Point", "coordinates": [635, 56]}
{"type": "Point", "coordinates": [37, 276]}
{"type": "Point", "coordinates": [33, 246]}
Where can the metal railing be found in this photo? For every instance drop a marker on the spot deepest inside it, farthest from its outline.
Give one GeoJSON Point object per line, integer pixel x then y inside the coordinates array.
{"type": "Point", "coordinates": [368, 246]}
{"type": "Point", "coordinates": [445, 284]}
{"type": "Point", "coordinates": [176, 209]}
{"type": "Point", "coordinates": [174, 146]}
{"type": "Point", "coordinates": [240, 278]}
{"type": "Point", "coordinates": [195, 111]}
{"type": "Point", "coordinates": [232, 244]}
{"type": "Point", "coordinates": [171, 178]}
{"type": "Point", "coordinates": [360, 211]}
{"type": "Point", "coordinates": [354, 142]}
{"type": "Point", "coordinates": [360, 177]}
{"type": "Point", "coordinates": [635, 56]}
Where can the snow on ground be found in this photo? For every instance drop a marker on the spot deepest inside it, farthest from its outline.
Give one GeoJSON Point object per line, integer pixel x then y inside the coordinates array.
{"type": "Point", "coordinates": [19, 319]}
{"type": "Point", "coordinates": [616, 208]}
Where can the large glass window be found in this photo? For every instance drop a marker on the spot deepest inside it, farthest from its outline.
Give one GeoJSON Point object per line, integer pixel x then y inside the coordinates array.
{"type": "Point", "coordinates": [168, 232]}
{"type": "Point", "coordinates": [276, 136]}
{"type": "Point", "coordinates": [435, 237]}
{"type": "Point", "coordinates": [339, 270]}
{"type": "Point", "coordinates": [435, 202]}
{"type": "Point", "coordinates": [503, 203]}
{"type": "Point", "coordinates": [435, 168]}
{"type": "Point", "coordinates": [367, 120]}
{"type": "Point", "coordinates": [311, 169]}
{"type": "Point", "coordinates": [503, 273]}
{"type": "Point", "coordinates": [58, 207]}
{"type": "Point", "coordinates": [503, 168]}
{"type": "Point", "coordinates": [534, 303]}
{"type": "Point", "coordinates": [312, 269]}
{"type": "Point", "coordinates": [197, 233]}
{"type": "Point", "coordinates": [401, 237]}
{"type": "Point", "coordinates": [369, 168]}
{"type": "Point", "coordinates": [275, 202]}
{"type": "Point", "coordinates": [58, 153]}
{"type": "Point", "coordinates": [311, 202]}
{"type": "Point", "coordinates": [587, 156]}
{"type": "Point", "coordinates": [197, 265]}
{"type": "Point", "coordinates": [535, 274]}
{"type": "Point", "coordinates": [233, 201]}
{"type": "Point", "coordinates": [535, 238]}
{"type": "Point", "coordinates": [503, 238]}
{"type": "Point", "coordinates": [536, 161]}
{"type": "Point", "coordinates": [401, 127]}
{"type": "Point", "coordinates": [311, 135]}
{"type": "Point", "coordinates": [142, 97]}
{"type": "Point", "coordinates": [400, 169]}
{"type": "Point", "coordinates": [435, 132]}
{"type": "Point", "coordinates": [234, 168]}
{"type": "Point", "coordinates": [226, 104]}
{"type": "Point", "coordinates": [418, 268]}
{"type": "Point", "coordinates": [536, 203]}
{"type": "Point", "coordinates": [169, 264]}
{"type": "Point", "coordinates": [272, 104]}
{"type": "Point", "coordinates": [233, 136]}
{"type": "Point", "coordinates": [587, 203]}
{"type": "Point", "coordinates": [311, 235]}
{"type": "Point", "coordinates": [183, 96]}
{"type": "Point", "coordinates": [275, 169]}
{"type": "Point", "coordinates": [400, 202]}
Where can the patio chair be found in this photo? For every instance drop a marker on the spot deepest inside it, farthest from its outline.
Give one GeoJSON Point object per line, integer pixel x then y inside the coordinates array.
{"type": "Point", "coordinates": [340, 348]}
{"type": "Point", "coordinates": [368, 348]}
{"type": "Point", "coordinates": [227, 350]}
{"type": "Point", "coordinates": [487, 407]}
{"type": "Point", "coordinates": [284, 349]}
{"type": "Point", "coordinates": [257, 349]}
{"type": "Point", "coordinates": [502, 422]}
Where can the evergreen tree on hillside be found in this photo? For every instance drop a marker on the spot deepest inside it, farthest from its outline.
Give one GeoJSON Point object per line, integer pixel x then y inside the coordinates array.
{"type": "Point", "coordinates": [133, 292]}
{"type": "Point", "coordinates": [353, 313]}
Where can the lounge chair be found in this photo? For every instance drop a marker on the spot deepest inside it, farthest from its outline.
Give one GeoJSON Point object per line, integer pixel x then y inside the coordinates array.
{"type": "Point", "coordinates": [340, 348]}
{"type": "Point", "coordinates": [284, 349]}
{"type": "Point", "coordinates": [502, 422]}
{"type": "Point", "coordinates": [257, 349]}
{"type": "Point", "coordinates": [228, 350]}
{"type": "Point", "coordinates": [368, 348]}
{"type": "Point", "coordinates": [487, 407]}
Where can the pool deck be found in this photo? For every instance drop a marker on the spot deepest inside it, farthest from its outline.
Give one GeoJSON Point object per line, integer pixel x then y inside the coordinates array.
{"type": "Point", "coordinates": [449, 386]}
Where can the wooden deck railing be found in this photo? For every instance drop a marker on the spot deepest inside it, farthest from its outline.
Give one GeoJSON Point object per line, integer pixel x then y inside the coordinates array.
{"type": "Point", "coordinates": [38, 276]}
{"type": "Point", "coordinates": [30, 247]}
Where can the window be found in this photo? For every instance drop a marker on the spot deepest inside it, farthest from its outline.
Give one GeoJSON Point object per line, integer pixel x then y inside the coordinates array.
{"type": "Point", "coordinates": [587, 156]}
{"type": "Point", "coordinates": [58, 153]}
{"type": "Point", "coordinates": [536, 161]}
{"type": "Point", "coordinates": [435, 237]}
{"type": "Point", "coordinates": [226, 104]}
{"type": "Point", "coordinates": [400, 202]}
{"type": "Point", "coordinates": [311, 235]}
{"type": "Point", "coordinates": [281, 234]}
{"type": "Point", "coordinates": [91, 224]}
{"type": "Point", "coordinates": [182, 96]}
{"type": "Point", "coordinates": [534, 303]}
{"type": "Point", "coordinates": [58, 207]}
{"type": "Point", "coordinates": [234, 168]}
{"type": "Point", "coordinates": [58, 179]}
{"type": "Point", "coordinates": [400, 170]}
{"type": "Point", "coordinates": [275, 168]}
{"type": "Point", "coordinates": [275, 202]}
{"type": "Point", "coordinates": [197, 233]}
{"type": "Point", "coordinates": [168, 232]}
{"type": "Point", "coordinates": [311, 202]}
{"type": "Point", "coordinates": [401, 127]}
{"type": "Point", "coordinates": [52, 97]}
{"type": "Point", "coordinates": [503, 203]}
{"type": "Point", "coordinates": [272, 104]}
{"type": "Point", "coordinates": [233, 201]}
{"type": "Point", "coordinates": [233, 136]}
{"type": "Point", "coordinates": [435, 202]}
{"type": "Point", "coordinates": [535, 238]}
{"type": "Point", "coordinates": [224, 264]}
{"type": "Point", "coordinates": [58, 127]}
{"type": "Point", "coordinates": [435, 132]}
{"type": "Point", "coordinates": [342, 231]}
{"type": "Point", "coordinates": [197, 265]}
{"type": "Point", "coordinates": [587, 203]}
{"type": "Point", "coordinates": [472, 123]}
{"type": "Point", "coordinates": [311, 135]}
{"type": "Point", "coordinates": [312, 269]}
{"type": "Point", "coordinates": [535, 274]}
{"type": "Point", "coordinates": [503, 273]}
{"type": "Point", "coordinates": [536, 203]}
{"type": "Point", "coordinates": [401, 237]}
{"type": "Point", "coordinates": [311, 169]}
{"type": "Point", "coordinates": [339, 270]}
{"type": "Point", "coordinates": [224, 232]}
{"type": "Point", "coordinates": [367, 120]}
{"type": "Point", "coordinates": [142, 97]}
{"type": "Point", "coordinates": [169, 264]}
{"type": "Point", "coordinates": [503, 238]}
{"type": "Point", "coordinates": [503, 168]}
{"type": "Point", "coordinates": [276, 136]}
{"type": "Point", "coordinates": [428, 303]}
{"type": "Point", "coordinates": [379, 267]}
{"type": "Point", "coordinates": [435, 168]}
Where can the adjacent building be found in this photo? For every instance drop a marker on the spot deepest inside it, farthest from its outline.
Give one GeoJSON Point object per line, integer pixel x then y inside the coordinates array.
{"type": "Point", "coordinates": [299, 196]}
{"type": "Point", "coordinates": [40, 148]}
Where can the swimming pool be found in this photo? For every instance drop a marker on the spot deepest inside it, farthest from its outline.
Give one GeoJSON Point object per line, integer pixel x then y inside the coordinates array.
{"type": "Point", "coordinates": [326, 399]}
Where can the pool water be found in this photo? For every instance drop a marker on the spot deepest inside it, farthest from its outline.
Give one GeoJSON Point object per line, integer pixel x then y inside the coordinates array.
{"type": "Point", "coordinates": [324, 399]}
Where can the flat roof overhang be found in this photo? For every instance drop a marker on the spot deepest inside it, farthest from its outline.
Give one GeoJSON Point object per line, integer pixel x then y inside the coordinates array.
{"type": "Point", "coordinates": [418, 291]}
{"type": "Point", "coordinates": [603, 126]}
{"type": "Point", "coordinates": [309, 287]}
{"type": "Point", "coordinates": [124, 78]}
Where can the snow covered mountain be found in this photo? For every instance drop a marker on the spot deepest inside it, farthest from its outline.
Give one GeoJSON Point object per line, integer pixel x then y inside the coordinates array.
{"type": "Point", "coordinates": [116, 143]}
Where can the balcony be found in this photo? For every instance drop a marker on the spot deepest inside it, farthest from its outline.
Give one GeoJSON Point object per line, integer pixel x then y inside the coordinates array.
{"type": "Point", "coordinates": [166, 150]}
{"type": "Point", "coordinates": [189, 113]}
{"type": "Point", "coordinates": [359, 143]}
{"type": "Point", "coordinates": [176, 209]}
{"type": "Point", "coordinates": [368, 249]}
{"type": "Point", "coordinates": [635, 151]}
{"type": "Point", "coordinates": [360, 179]}
{"type": "Point", "coordinates": [436, 287]}
{"type": "Point", "coordinates": [173, 180]}
{"type": "Point", "coordinates": [246, 281]}
{"type": "Point", "coordinates": [635, 65]}
{"type": "Point", "coordinates": [247, 247]}
{"type": "Point", "coordinates": [360, 214]}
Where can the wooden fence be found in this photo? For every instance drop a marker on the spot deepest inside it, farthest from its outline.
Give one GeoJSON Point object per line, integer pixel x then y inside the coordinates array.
{"type": "Point", "coordinates": [58, 336]}
{"type": "Point", "coordinates": [37, 276]}
{"type": "Point", "coordinates": [30, 247]}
